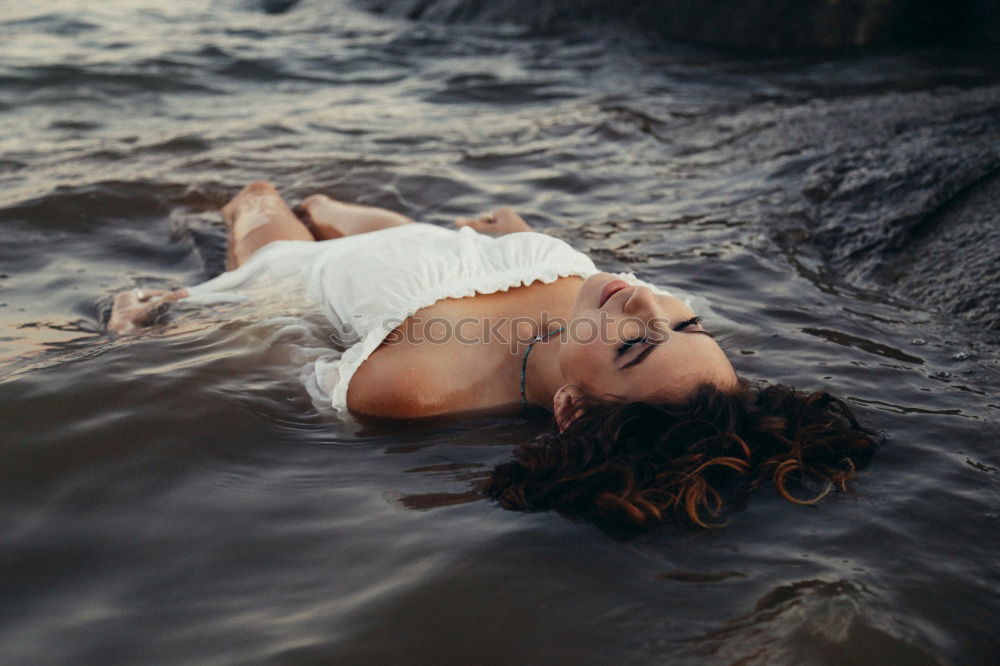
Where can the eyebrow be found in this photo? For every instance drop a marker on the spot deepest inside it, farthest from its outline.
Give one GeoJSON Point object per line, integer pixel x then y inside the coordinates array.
{"type": "Point", "coordinates": [649, 350]}
{"type": "Point", "coordinates": [641, 357]}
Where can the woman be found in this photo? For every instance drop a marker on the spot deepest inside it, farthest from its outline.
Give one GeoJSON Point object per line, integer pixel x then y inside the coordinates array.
{"type": "Point", "coordinates": [651, 421]}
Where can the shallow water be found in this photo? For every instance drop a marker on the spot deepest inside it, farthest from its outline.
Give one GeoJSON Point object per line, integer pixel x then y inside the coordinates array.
{"type": "Point", "coordinates": [176, 497]}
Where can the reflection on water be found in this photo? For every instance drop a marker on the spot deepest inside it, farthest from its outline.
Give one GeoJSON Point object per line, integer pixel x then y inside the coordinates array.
{"type": "Point", "coordinates": [177, 497]}
{"type": "Point", "coordinates": [863, 344]}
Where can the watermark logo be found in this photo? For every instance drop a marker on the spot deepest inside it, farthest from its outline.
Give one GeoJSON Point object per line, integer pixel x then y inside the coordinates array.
{"type": "Point", "coordinates": [515, 332]}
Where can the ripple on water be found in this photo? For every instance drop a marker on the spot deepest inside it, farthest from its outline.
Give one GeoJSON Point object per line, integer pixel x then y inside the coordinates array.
{"type": "Point", "coordinates": [177, 495]}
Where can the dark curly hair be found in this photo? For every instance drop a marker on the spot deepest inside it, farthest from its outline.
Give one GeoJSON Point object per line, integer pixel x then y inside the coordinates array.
{"type": "Point", "coordinates": [635, 465]}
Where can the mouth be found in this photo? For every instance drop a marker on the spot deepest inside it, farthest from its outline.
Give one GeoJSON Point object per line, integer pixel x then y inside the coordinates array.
{"type": "Point", "coordinates": [610, 289]}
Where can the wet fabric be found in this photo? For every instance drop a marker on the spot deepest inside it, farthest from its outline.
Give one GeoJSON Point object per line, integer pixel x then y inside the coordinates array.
{"type": "Point", "coordinates": [368, 284]}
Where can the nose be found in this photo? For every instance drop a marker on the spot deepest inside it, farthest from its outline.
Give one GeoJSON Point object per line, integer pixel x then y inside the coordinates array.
{"type": "Point", "coordinates": [659, 313]}
{"type": "Point", "coordinates": [645, 311]}
{"type": "Point", "coordinates": [642, 304]}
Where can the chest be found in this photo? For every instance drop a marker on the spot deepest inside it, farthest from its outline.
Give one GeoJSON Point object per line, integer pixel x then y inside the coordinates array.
{"type": "Point", "coordinates": [445, 358]}
{"type": "Point", "coordinates": [456, 355]}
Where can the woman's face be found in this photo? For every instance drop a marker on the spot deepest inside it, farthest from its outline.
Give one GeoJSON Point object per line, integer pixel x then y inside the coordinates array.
{"type": "Point", "coordinates": [629, 343]}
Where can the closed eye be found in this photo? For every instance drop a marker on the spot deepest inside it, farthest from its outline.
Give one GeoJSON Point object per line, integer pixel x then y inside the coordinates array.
{"type": "Point", "coordinates": [641, 356]}
{"type": "Point", "coordinates": [628, 344]}
{"type": "Point", "coordinates": [650, 346]}
{"type": "Point", "coordinates": [693, 321]}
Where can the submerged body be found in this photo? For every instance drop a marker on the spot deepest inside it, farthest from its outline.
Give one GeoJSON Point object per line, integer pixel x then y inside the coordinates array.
{"type": "Point", "coordinates": [437, 321]}
{"type": "Point", "coordinates": [425, 298]}
{"type": "Point", "coordinates": [650, 419]}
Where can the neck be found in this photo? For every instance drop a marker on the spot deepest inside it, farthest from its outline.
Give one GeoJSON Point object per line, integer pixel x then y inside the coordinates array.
{"type": "Point", "coordinates": [543, 374]}
{"type": "Point", "coordinates": [532, 310]}
{"type": "Point", "coordinates": [552, 306]}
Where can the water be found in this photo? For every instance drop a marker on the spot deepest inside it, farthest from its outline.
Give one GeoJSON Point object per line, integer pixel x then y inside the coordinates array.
{"type": "Point", "coordinates": [175, 497]}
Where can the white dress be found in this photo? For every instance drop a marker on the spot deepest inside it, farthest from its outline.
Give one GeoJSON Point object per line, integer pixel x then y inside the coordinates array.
{"type": "Point", "coordinates": [368, 284]}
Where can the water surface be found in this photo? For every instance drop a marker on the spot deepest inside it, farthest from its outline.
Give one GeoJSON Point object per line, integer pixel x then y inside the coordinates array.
{"type": "Point", "coordinates": [176, 497]}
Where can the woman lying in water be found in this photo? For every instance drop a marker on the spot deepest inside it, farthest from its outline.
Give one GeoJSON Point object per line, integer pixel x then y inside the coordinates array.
{"type": "Point", "coordinates": [651, 422]}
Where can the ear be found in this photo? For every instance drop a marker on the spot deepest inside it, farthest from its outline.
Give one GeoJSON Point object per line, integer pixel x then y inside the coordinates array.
{"type": "Point", "coordinates": [567, 404]}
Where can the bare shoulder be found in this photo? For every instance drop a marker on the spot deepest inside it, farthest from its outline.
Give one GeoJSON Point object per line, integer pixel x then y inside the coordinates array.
{"type": "Point", "coordinates": [395, 383]}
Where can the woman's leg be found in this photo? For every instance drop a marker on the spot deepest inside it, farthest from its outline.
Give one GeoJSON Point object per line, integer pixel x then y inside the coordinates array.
{"type": "Point", "coordinates": [328, 218]}
{"type": "Point", "coordinates": [255, 217]}
{"type": "Point", "coordinates": [258, 216]}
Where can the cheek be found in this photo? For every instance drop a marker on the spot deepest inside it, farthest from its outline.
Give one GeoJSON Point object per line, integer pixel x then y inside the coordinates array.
{"type": "Point", "coordinates": [582, 364]}
{"type": "Point", "coordinates": [630, 328]}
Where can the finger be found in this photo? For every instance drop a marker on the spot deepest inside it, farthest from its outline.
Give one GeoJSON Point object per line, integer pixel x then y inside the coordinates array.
{"type": "Point", "coordinates": [462, 221]}
{"type": "Point", "coordinates": [150, 313]}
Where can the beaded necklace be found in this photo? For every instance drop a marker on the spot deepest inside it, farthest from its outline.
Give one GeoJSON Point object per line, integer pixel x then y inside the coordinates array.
{"type": "Point", "coordinates": [524, 361]}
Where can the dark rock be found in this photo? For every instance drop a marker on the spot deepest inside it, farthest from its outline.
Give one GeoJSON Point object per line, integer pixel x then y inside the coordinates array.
{"type": "Point", "coordinates": [896, 192]}
{"type": "Point", "coordinates": [749, 25]}
{"type": "Point", "coordinates": [982, 22]}
{"type": "Point", "coordinates": [904, 196]}
{"type": "Point", "coordinates": [951, 261]}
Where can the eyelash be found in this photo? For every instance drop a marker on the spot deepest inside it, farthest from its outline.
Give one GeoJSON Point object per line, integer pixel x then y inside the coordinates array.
{"type": "Point", "coordinates": [628, 344]}
{"type": "Point", "coordinates": [693, 321]}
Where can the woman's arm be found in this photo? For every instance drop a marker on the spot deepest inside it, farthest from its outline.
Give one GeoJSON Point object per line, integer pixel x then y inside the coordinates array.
{"type": "Point", "coordinates": [503, 220]}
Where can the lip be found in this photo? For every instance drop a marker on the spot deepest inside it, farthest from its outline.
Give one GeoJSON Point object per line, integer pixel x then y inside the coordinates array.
{"type": "Point", "coordinates": [610, 289]}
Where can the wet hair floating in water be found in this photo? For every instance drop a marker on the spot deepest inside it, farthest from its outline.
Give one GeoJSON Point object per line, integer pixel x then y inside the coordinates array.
{"type": "Point", "coordinates": [635, 465]}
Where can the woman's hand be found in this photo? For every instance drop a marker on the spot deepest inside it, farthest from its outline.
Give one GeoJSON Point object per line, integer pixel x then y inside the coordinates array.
{"type": "Point", "coordinates": [140, 307]}
{"type": "Point", "coordinates": [501, 221]}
